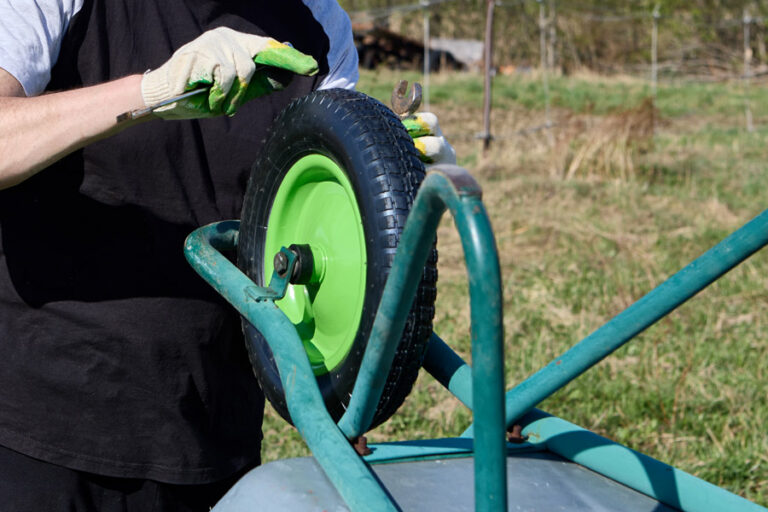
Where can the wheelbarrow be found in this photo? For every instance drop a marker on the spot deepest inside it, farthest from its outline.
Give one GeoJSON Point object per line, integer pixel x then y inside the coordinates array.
{"type": "Point", "coordinates": [341, 218]}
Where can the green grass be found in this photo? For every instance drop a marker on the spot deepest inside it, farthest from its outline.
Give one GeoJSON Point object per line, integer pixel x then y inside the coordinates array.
{"type": "Point", "coordinates": [693, 389]}
{"type": "Point", "coordinates": [580, 94]}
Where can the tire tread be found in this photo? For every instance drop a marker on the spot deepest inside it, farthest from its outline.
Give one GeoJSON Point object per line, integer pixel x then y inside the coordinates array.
{"type": "Point", "coordinates": [394, 172]}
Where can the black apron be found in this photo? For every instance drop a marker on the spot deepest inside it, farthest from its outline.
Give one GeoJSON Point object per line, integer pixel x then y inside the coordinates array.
{"type": "Point", "coordinates": [115, 357]}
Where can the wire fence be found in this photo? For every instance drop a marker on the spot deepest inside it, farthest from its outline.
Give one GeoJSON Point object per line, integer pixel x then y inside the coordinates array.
{"type": "Point", "coordinates": [664, 61]}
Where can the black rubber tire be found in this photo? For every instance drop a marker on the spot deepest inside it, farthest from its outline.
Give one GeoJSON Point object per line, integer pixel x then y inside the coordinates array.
{"type": "Point", "coordinates": [376, 153]}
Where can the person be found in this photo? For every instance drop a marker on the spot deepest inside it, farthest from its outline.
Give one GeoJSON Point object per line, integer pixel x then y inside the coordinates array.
{"type": "Point", "coordinates": [124, 383]}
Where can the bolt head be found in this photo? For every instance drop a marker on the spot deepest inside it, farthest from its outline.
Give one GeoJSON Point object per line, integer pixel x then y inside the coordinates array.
{"type": "Point", "coordinates": [280, 263]}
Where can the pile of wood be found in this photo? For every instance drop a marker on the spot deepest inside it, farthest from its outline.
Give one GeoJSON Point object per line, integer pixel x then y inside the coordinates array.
{"type": "Point", "coordinates": [378, 46]}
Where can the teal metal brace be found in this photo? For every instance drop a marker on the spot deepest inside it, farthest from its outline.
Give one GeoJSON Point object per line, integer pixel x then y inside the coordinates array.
{"type": "Point", "coordinates": [449, 369]}
{"type": "Point", "coordinates": [653, 478]}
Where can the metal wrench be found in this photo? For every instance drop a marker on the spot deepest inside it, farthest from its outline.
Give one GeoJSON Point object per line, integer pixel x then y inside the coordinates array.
{"type": "Point", "coordinates": [141, 112]}
{"type": "Point", "coordinates": [402, 104]}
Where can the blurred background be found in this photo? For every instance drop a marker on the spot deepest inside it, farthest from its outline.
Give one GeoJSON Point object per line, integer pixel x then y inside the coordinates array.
{"type": "Point", "coordinates": [615, 142]}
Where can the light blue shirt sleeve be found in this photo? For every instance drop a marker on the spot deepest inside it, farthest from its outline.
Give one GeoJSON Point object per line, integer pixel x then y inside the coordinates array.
{"type": "Point", "coordinates": [342, 55]}
{"type": "Point", "coordinates": [31, 32]}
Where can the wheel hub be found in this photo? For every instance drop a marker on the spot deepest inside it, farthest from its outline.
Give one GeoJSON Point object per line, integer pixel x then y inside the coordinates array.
{"type": "Point", "coordinates": [315, 213]}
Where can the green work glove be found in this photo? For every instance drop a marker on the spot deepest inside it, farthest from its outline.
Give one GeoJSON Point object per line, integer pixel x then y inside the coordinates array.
{"type": "Point", "coordinates": [428, 139]}
{"type": "Point", "coordinates": [237, 67]}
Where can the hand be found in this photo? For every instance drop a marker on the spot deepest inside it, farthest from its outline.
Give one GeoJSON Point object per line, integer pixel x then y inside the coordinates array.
{"type": "Point", "coordinates": [428, 139]}
{"type": "Point", "coordinates": [231, 63]}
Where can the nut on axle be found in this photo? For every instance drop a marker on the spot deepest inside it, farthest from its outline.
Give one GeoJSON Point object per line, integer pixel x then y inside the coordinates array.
{"type": "Point", "coordinates": [301, 273]}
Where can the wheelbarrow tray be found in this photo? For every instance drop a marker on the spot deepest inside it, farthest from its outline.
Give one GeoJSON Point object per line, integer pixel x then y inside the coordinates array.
{"type": "Point", "coordinates": [536, 480]}
{"type": "Point", "coordinates": [561, 466]}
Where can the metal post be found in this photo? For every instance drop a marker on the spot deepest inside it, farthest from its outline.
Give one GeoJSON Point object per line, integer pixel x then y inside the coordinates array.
{"type": "Point", "coordinates": [544, 73]}
{"type": "Point", "coordinates": [552, 34]}
{"type": "Point", "coordinates": [655, 61]}
{"type": "Point", "coordinates": [425, 89]}
{"type": "Point", "coordinates": [486, 135]}
{"type": "Point", "coordinates": [747, 21]}
{"type": "Point", "coordinates": [654, 53]}
{"type": "Point", "coordinates": [542, 36]}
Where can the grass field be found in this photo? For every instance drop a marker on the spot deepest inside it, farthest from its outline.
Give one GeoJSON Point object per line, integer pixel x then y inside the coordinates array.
{"type": "Point", "coordinates": [585, 226]}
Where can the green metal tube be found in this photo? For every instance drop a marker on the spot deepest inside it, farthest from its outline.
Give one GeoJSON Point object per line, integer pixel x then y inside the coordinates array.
{"type": "Point", "coordinates": [351, 476]}
{"type": "Point", "coordinates": [449, 369]}
{"type": "Point", "coordinates": [444, 187]}
{"type": "Point", "coordinates": [487, 357]}
{"type": "Point", "coordinates": [660, 481]}
{"type": "Point", "coordinates": [414, 247]}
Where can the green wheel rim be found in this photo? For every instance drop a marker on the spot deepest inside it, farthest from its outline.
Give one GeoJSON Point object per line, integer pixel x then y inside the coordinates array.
{"type": "Point", "coordinates": [315, 205]}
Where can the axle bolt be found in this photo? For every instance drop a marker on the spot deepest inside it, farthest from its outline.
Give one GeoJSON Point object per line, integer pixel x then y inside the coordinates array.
{"type": "Point", "coordinates": [280, 263]}
{"type": "Point", "coordinates": [302, 270]}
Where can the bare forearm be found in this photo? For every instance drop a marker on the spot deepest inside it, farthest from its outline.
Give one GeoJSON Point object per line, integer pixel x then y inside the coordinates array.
{"type": "Point", "coordinates": [37, 131]}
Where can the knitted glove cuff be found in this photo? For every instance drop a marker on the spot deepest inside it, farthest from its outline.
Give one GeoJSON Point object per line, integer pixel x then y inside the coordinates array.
{"type": "Point", "coordinates": [155, 87]}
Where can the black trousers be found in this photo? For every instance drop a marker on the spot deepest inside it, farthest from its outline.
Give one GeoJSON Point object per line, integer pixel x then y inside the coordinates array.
{"type": "Point", "coordinates": [30, 485]}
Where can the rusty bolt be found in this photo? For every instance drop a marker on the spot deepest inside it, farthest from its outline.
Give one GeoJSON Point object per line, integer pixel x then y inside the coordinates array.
{"type": "Point", "coordinates": [516, 435]}
{"type": "Point", "coordinates": [360, 444]}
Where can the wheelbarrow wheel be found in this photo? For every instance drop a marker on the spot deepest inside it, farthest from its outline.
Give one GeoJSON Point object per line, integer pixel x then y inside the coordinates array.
{"type": "Point", "coordinates": [338, 174]}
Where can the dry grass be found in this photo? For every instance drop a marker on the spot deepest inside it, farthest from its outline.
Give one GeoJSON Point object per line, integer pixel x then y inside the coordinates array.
{"type": "Point", "coordinates": [606, 145]}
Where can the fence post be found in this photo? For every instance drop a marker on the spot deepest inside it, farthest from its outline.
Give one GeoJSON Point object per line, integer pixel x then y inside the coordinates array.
{"type": "Point", "coordinates": [655, 62]}
{"type": "Point", "coordinates": [655, 53]}
{"type": "Point", "coordinates": [542, 36]}
{"type": "Point", "coordinates": [552, 40]}
{"type": "Point", "coordinates": [486, 135]}
{"type": "Point", "coordinates": [544, 71]}
{"type": "Point", "coordinates": [425, 97]}
{"type": "Point", "coordinates": [747, 21]}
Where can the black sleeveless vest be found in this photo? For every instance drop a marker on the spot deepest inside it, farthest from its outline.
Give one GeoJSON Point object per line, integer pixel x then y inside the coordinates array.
{"type": "Point", "coordinates": [115, 357]}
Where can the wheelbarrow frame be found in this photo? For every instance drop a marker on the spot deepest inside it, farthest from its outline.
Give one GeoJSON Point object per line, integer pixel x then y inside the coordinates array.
{"type": "Point", "coordinates": [481, 387]}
